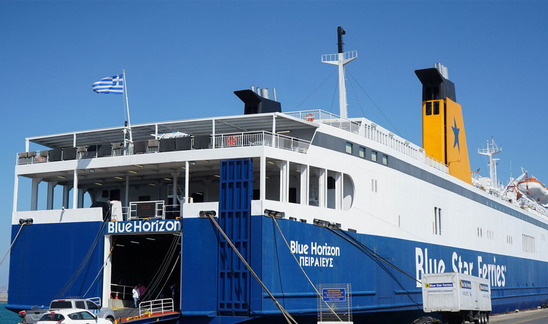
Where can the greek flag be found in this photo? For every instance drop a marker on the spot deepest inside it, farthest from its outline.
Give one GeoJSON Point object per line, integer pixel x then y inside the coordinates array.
{"type": "Point", "coordinates": [113, 84]}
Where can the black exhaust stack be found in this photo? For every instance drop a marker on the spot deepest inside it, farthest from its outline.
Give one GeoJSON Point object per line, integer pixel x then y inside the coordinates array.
{"type": "Point", "coordinates": [255, 104]}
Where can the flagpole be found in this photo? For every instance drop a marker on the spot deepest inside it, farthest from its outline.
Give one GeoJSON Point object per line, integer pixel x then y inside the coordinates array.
{"type": "Point", "coordinates": [127, 106]}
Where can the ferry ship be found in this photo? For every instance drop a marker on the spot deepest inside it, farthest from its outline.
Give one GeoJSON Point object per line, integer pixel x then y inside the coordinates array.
{"type": "Point", "coordinates": [264, 215]}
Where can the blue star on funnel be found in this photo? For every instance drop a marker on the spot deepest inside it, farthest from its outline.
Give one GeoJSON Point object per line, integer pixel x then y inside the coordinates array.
{"type": "Point", "coordinates": [456, 131]}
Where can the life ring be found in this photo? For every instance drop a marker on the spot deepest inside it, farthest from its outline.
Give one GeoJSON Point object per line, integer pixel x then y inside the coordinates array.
{"type": "Point", "coordinates": [309, 117]}
{"type": "Point", "coordinates": [231, 140]}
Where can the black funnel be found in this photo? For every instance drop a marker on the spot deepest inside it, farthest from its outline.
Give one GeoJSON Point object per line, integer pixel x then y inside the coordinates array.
{"type": "Point", "coordinates": [255, 104]}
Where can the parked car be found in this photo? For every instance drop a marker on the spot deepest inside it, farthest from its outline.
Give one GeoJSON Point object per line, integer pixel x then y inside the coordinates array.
{"type": "Point", "coordinates": [71, 316]}
{"type": "Point", "coordinates": [90, 304]}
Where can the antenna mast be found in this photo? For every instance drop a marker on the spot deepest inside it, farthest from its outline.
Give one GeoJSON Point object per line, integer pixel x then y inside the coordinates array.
{"type": "Point", "coordinates": [341, 59]}
{"type": "Point", "coordinates": [491, 150]}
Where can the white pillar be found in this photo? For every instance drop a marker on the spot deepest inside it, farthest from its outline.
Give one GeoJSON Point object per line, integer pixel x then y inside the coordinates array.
{"type": "Point", "coordinates": [322, 188]}
{"type": "Point", "coordinates": [75, 190]}
{"type": "Point", "coordinates": [126, 199]}
{"type": "Point", "coordinates": [51, 187]}
{"type": "Point", "coordinates": [107, 270]}
{"type": "Point", "coordinates": [342, 87]}
{"type": "Point", "coordinates": [262, 178]}
{"type": "Point", "coordinates": [338, 190]}
{"type": "Point", "coordinates": [34, 193]}
{"type": "Point", "coordinates": [175, 175]}
{"type": "Point", "coordinates": [284, 180]}
{"type": "Point", "coordinates": [15, 193]}
{"type": "Point", "coordinates": [66, 189]}
{"type": "Point", "coordinates": [213, 133]}
{"type": "Point", "coordinates": [187, 180]}
{"type": "Point", "coordinates": [304, 184]}
{"type": "Point", "coordinates": [274, 136]}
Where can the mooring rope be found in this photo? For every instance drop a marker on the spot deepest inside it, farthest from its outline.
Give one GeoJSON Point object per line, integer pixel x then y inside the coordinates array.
{"type": "Point", "coordinates": [285, 313]}
{"type": "Point", "coordinates": [307, 278]}
{"type": "Point", "coordinates": [12, 243]}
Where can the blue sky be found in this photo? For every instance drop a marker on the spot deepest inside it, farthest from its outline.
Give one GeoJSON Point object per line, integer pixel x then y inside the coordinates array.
{"type": "Point", "coordinates": [184, 59]}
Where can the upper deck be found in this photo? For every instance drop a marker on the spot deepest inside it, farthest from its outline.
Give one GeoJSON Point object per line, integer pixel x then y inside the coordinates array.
{"type": "Point", "coordinates": [222, 132]}
{"type": "Point", "coordinates": [212, 133]}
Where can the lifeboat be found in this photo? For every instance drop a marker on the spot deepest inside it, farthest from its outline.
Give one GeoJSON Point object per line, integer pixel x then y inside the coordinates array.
{"type": "Point", "coordinates": [534, 189]}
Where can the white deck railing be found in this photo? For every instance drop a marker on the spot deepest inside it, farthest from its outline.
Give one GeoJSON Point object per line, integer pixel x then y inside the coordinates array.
{"type": "Point", "coordinates": [157, 306]}
{"type": "Point", "coordinates": [243, 139]}
{"type": "Point", "coordinates": [373, 132]}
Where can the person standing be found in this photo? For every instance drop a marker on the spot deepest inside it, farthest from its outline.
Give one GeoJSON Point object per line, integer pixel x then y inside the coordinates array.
{"type": "Point", "coordinates": [135, 293]}
{"type": "Point", "coordinates": [142, 290]}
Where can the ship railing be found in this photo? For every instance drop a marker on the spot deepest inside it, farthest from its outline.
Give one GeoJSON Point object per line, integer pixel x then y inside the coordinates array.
{"type": "Point", "coordinates": [335, 57]}
{"type": "Point", "coordinates": [154, 209]}
{"type": "Point", "coordinates": [150, 210]}
{"type": "Point", "coordinates": [120, 291]}
{"type": "Point", "coordinates": [156, 306]}
{"type": "Point", "coordinates": [262, 138]}
{"type": "Point", "coordinates": [371, 131]}
{"type": "Point", "coordinates": [242, 139]}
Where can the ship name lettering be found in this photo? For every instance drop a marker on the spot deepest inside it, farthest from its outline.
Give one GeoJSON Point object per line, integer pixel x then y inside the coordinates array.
{"type": "Point", "coordinates": [462, 267]}
{"type": "Point", "coordinates": [321, 262]}
{"type": "Point", "coordinates": [147, 226]}
{"type": "Point", "coordinates": [297, 248]}
{"type": "Point", "coordinates": [324, 249]}
{"type": "Point", "coordinates": [496, 273]}
{"type": "Point", "coordinates": [423, 264]}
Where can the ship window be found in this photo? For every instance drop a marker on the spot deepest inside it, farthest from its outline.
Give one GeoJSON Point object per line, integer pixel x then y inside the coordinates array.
{"type": "Point", "coordinates": [349, 148]}
{"type": "Point", "coordinates": [91, 305]}
{"type": "Point", "coordinates": [330, 182]}
{"type": "Point", "coordinates": [528, 243]}
{"type": "Point", "coordinates": [296, 180]}
{"type": "Point", "coordinates": [348, 192]}
{"type": "Point", "coordinates": [436, 107]}
{"type": "Point", "coordinates": [437, 221]}
{"type": "Point", "coordinates": [333, 192]}
{"type": "Point", "coordinates": [385, 159]}
{"type": "Point", "coordinates": [374, 156]}
{"type": "Point", "coordinates": [362, 152]}
{"type": "Point", "coordinates": [428, 109]}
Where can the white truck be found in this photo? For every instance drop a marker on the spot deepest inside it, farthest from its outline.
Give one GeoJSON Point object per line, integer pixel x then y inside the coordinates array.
{"type": "Point", "coordinates": [457, 297]}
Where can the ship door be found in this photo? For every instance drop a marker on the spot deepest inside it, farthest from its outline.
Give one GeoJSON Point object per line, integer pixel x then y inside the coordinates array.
{"type": "Point", "coordinates": [236, 191]}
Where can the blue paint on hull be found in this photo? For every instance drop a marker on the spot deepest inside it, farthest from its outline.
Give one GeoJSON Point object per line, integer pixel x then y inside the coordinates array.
{"type": "Point", "coordinates": [376, 287]}
{"type": "Point", "coordinates": [46, 257]}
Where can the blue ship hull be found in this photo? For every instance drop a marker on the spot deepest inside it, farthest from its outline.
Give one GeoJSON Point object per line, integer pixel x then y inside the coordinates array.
{"type": "Point", "coordinates": [58, 260]}
{"type": "Point", "coordinates": [377, 288]}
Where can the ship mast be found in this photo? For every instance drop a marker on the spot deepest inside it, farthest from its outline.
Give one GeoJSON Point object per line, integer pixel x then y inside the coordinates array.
{"type": "Point", "coordinates": [491, 150]}
{"type": "Point", "coordinates": [341, 59]}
